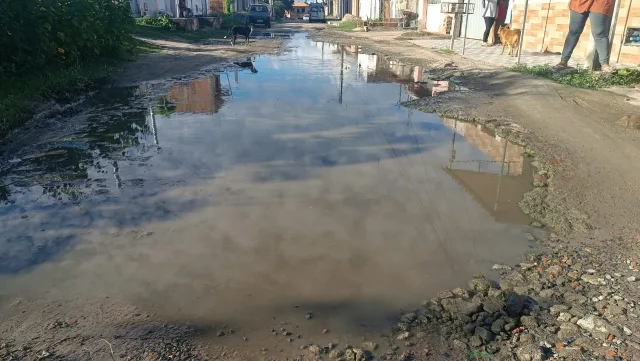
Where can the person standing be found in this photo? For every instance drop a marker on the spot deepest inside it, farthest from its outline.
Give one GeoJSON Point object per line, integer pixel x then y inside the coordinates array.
{"type": "Point", "coordinates": [599, 13]}
{"type": "Point", "coordinates": [501, 15]}
{"type": "Point", "coordinates": [489, 13]}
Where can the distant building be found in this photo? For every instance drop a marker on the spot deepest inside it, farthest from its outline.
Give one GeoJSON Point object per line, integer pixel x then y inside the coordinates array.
{"type": "Point", "coordinates": [298, 10]}
{"type": "Point", "coordinates": [155, 8]}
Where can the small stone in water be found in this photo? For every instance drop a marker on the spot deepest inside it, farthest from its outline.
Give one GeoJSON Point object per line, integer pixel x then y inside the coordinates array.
{"type": "Point", "coordinates": [308, 315]}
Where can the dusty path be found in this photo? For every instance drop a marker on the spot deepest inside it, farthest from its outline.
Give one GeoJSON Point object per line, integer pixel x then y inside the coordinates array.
{"type": "Point", "coordinates": [576, 132]}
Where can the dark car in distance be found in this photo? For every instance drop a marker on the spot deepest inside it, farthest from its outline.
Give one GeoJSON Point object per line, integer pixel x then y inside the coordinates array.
{"type": "Point", "coordinates": [259, 14]}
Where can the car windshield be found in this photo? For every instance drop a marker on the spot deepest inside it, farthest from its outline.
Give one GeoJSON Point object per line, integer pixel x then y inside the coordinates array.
{"type": "Point", "coordinates": [259, 9]}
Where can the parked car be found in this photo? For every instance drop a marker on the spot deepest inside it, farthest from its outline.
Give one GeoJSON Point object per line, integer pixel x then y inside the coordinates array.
{"type": "Point", "coordinates": [259, 14]}
{"type": "Point", "coordinates": [305, 17]}
{"type": "Point", "coordinates": [316, 12]}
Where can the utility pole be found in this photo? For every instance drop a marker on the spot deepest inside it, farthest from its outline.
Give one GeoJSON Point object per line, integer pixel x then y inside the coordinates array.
{"type": "Point", "coordinates": [341, 73]}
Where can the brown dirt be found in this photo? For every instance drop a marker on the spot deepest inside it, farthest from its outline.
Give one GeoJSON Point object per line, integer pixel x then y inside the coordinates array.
{"type": "Point", "coordinates": [576, 133]}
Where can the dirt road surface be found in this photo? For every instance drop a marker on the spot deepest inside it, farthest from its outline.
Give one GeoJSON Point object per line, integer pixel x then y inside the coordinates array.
{"type": "Point", "coordinates": [297, 205]}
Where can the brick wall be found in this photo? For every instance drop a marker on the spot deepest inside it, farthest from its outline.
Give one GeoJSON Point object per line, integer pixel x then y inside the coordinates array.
{"type": "Point", "coordinates": [548, 24]}
{"type": "Point", "coordinates": [629, 16]}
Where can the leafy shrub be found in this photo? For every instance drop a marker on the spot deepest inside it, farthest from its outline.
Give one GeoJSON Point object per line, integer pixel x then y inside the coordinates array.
{"type": "Point", "coordinates": [161, 21]}
{"type": "Point", "coordinates": [348, 24]}
{"type": "Point", "coordinates": [229, 20]}
{"type": "Point", "coordinates": [37, 33]}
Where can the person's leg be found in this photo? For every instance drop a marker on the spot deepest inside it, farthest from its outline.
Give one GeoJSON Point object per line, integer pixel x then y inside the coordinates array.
{"type": "Point", "coordinates": [576, 26]}
{"type": "Point", "coordinates": [600, 31]}
{"type": "Point", "coordinates": [488, 23]}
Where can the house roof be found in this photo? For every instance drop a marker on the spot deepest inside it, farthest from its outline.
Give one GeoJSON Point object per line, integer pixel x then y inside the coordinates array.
{"type": "Point", "coordinates": [299, 4]}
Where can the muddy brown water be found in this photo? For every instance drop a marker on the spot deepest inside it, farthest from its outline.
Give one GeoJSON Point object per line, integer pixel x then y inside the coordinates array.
{"type": "Point", "coordinates": [248, 198]}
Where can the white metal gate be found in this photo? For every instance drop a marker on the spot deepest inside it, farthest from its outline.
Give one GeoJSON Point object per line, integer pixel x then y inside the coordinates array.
{"type": "Point", "coordinates": [476, 22]}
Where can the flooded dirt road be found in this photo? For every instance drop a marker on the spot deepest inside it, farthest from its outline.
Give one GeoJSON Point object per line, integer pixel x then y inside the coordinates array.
{"type": "Point", "coordinates": [240, 200]}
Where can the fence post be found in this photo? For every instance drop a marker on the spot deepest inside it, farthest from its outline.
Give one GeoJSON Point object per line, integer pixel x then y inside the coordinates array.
{"type": "Point", "coordinates": [524, 24]}
{"type": "Point", "coordinates": [466, 25]}
{"type": "Point", "coordinates": [453, 29]}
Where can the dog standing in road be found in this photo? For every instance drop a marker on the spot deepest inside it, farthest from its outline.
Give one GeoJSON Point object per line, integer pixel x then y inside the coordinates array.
{"type": "Point", "coordinates": [509, 37]}
{"type": "Point", "coordinates": [240, 30]}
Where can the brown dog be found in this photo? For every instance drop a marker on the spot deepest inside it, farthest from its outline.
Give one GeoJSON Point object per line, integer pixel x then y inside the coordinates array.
{"type": "Point", "coordinates": [510, 37]}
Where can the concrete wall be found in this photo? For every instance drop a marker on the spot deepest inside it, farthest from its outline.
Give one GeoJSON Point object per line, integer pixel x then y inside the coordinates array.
{"type": "Point", "coordinates": [548, 24]}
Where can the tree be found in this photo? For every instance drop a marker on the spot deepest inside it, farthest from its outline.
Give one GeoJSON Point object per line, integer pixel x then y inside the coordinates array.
{"type": "Point", "coordinates": [278, 9]}
{"type": "Point", "coordinates": [287, 4]}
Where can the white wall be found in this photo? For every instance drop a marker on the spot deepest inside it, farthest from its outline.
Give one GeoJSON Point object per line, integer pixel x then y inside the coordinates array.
{"type": "Point", "coordinates": [369, 9]}
{"type": "Point", "coordinates": [155, 7]}
{"type": "Point", "coordinates": [434, 18]}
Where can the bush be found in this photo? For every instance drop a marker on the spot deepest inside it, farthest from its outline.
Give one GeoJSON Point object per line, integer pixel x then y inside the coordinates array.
{"type": "Point", "coordinates": [348, 24]}
{"type": "Point", "coordinates": [37, 33]}
{"type": "Point", "coordinates": [161, 21]}
{"type": "Point", "coordinates": [229, 20]}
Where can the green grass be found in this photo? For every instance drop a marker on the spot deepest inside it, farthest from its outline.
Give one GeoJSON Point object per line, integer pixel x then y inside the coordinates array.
{"type": "Point", "coordinates": [159, 33]}
{"type": "Point", "coordinates": [20, 94]}
{"type": "Point", "coordinates": [348, 25]}
{"type": "Point", "coordinates": [447, 51]}
{"type": "Point", "coordinates": [583, 78]}
{"type": "Point", "coordinates": [414, 34]}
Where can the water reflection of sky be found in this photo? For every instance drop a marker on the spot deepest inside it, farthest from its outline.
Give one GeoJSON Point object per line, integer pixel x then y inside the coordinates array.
{"type": "Point", "coordinates": [304, 110]}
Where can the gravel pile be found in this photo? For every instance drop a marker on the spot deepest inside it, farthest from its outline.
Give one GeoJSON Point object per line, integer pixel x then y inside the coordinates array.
{"type": "Point", "coordinates": [576, 303]}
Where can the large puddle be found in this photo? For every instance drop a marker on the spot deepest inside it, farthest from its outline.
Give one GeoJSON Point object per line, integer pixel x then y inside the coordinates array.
{"type": "Point", "coordinates": [295, 184]}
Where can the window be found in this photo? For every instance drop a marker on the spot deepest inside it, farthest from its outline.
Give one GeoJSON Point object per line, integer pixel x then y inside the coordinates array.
{"type": "Point", "coordinates": [259, 9]}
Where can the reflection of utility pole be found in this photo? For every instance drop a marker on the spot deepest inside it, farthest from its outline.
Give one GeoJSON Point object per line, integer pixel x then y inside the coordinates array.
{"type": "Point", "coordinates": [116, 174]}
{"type": "Point", "coordinates": [235, 76]}
{"type": "Point", "coordinates": [154, 130]}
{"type": "Point", "coordinates": [341, 73]}
{"type": "Point", "coordinates": [452, 159]}
{"type": "Point", "coordinates": [504, 157]}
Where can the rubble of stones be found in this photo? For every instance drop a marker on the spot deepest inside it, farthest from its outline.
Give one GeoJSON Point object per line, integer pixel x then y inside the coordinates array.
{"type": "Point", "coordinates": [563, 304]}
{"type": "Point", "coordinates": [567, 303]}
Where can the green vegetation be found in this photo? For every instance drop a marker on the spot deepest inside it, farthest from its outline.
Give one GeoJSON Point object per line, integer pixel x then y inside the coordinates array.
{"type": "Point", "coordinates": [479, 355]}
{"type": "Point", "coordinates": [447, 51]}
{"type": "Point", "coordinates": [414, 35]}
{"type": "Point", "coordinates": [160, 33]}
{"type": "Point", "coordinates": [19, 92]}
{"type": "Point", "coordinates": [583, 78]}
{"type": "Point", "coordinates": [54, 49]}
{"type": "Point", "coordinates": [161, 21]}
{"type": "Point", "coordinates": [348, 25]}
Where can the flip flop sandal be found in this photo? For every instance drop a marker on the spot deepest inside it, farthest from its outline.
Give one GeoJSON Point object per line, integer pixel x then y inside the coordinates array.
{"type": "Point", "coordinates": [607, 70]}
{"type": "Point", "coordinates": [560, 67]}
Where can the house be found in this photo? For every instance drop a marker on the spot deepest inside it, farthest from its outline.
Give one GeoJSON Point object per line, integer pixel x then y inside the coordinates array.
{"type": "Point", "coordinates": [548, 24]}
{"type": "Point", "coordinates": [379, 9]}
{"type": "Point", "coordinates": [297, 11]}
{"type": "Point", "coordinates": [170, 7]}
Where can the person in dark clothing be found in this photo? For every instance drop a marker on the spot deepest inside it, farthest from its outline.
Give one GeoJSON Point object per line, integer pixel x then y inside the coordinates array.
{"type": "Point", "coordinates": [489, 13]}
